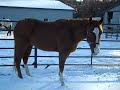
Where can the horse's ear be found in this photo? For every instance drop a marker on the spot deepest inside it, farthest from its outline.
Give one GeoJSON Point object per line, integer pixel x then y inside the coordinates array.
{"type": "Point", "coordinates": [90, 20]}
{"type": "Point", "coordinates": [101, 21]}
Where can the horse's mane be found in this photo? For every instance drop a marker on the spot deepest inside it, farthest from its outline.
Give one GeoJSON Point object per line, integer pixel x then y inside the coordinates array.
{"type": "Point", "coordinates": [76, 21]}
{"type": "Point", "coordinates": [79, 20]}
{"type": "Point", "coordinates": [59, 20]}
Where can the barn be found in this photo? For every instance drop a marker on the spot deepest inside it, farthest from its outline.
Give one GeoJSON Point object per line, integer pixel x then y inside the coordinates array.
{"type": "Point", "coordinates": [46, 10]}
{"type": "Point", "coordinates": [112, 21]}
{"type": "Point", "coordinates": [112, 15]}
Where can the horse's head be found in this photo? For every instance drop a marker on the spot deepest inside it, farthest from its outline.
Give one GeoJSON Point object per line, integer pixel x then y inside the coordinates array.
{"type": "Point", "coordinates": [94, 33]}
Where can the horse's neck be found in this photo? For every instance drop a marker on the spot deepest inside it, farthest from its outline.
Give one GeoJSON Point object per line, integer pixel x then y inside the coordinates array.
{"type": "Point", "coordinates": [82, 33]}
{"type": "Point", "coordinates": [79, 36]}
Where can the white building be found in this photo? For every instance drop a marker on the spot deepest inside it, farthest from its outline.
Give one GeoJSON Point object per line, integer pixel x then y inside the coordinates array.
{"type": "Point", "coordinates": [40, 9]}
{"type": "Point", "coordinates": [112, 18]}
{"type": "Point", "coordinates": [112, 15]}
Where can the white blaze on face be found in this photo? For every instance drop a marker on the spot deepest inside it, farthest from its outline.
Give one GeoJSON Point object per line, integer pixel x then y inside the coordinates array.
{"type": "Point", "coordinates": [96, 49]}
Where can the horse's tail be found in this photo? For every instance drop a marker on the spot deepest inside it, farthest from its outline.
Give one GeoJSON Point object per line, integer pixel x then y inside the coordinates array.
{"type": "Point", "coordinates": [14, 64]}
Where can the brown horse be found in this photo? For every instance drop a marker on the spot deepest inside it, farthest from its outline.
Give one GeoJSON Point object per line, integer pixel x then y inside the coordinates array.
{"type": "Point", "coordinates": [61, 36]}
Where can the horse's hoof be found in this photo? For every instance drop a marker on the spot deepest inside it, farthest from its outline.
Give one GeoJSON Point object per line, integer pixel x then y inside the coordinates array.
{"type": "Point", "coordinates": [63, 84]}
{"type": "Point", "coordinates": [29, 74]}
{"type": "Point", "coordinates": [20, 77]}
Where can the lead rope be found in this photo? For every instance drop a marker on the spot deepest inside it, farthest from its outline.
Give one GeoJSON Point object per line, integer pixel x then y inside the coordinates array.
{"type": "Point", "coordinates": [91, 52]}
{"type": "Point", "coordinates": [91, 57]}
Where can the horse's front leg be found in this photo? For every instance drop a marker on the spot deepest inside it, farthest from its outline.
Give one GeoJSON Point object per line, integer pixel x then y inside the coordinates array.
{"type": "Point", "coordinates": [62, 58]}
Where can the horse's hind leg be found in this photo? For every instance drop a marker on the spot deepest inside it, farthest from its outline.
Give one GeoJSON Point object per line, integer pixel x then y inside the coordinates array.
{"type": "Point", "coordinates": [18, 54]}
{"type": "Point", "coordinates": [25, 58]}
{"type": "Point", "coordinates": [17, 61]}
{"type": "Point", "coordinates": [62, 59]}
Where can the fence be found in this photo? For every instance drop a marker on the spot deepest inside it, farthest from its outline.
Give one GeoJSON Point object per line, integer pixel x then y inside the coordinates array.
{"type": "Point", "coordinates": [36, 52]}
{"type": "Point", "coordinates": [112, 30]}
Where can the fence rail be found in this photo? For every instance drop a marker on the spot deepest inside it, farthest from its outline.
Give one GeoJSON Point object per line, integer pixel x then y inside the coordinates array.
{"type": "Point", "coordinates": [36, 56]}
{"type": "Point", "coordinates": [70, 65]}
{"type": "Point", "coordinates": [36, 52]}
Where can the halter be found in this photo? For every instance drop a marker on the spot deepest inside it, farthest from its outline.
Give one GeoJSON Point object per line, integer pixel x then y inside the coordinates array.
{"type": "Point", "coordinates": [93, 43]}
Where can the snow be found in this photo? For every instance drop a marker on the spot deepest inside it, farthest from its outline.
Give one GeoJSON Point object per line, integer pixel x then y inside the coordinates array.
{"type": "Point", "coordinates": [76, 77]}
{"type": "Point", "coordinates": [46, 4]}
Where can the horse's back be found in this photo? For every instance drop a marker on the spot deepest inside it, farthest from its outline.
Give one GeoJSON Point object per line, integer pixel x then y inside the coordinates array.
{"type": "Point", "coordinates": [38, 33]}
{"type": "Point", "coordinates": [34, 27]}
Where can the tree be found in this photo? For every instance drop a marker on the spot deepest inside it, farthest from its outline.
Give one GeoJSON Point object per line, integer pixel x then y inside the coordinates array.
{"type": "Point", "coordinates": [87, 8]}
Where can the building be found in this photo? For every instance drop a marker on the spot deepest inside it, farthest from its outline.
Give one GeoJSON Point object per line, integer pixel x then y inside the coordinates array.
{"type": "Point", "coordinates": [112, 21]}
{"type": "Point", "coordinates": [46, 10]}
{"type": "Point", "coordinates": [112, 15]}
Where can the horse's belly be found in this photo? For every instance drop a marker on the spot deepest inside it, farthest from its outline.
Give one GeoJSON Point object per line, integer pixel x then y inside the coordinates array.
{"type": "Point", "coordinates": [45, 45]}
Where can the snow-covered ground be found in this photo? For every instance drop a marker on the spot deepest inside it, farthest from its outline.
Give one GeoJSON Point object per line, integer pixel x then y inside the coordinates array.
{"type": "Point", "coordinates": [76, 77]}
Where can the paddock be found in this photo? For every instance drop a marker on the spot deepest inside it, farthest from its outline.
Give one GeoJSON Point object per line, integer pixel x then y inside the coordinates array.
{"type": "Point", "coordinates": [104, 73]}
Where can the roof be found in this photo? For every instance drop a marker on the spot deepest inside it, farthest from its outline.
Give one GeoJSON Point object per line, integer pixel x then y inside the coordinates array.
{"type": "Point", "coordinates": [115, 5]}
{"type": "Point", "coordinates": [44, 4]}
{"type": "Point", "coordinates": [108, 9]}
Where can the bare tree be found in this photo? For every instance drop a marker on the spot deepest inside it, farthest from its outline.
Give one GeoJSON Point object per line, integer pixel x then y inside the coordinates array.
{"type": "Point", "coordinates": [87, 8]}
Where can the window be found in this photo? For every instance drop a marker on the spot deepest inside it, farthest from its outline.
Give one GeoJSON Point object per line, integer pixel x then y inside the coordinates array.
{"type": "Point", "coordinates": [110, 16]}
{"type": "Point", "coordinates": [45, 19]}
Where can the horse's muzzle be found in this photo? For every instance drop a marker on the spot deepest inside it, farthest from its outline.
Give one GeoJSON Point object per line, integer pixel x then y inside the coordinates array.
{"type": "Point", "coordinates": [96, 51]}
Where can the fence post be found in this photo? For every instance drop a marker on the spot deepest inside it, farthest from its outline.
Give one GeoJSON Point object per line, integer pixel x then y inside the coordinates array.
{"type": "Point", "coordinates": [91, 57]}
{"type": "Point", "coordinates": [35, 62]}
{"type": "Point", "coordinates": [117, 36]}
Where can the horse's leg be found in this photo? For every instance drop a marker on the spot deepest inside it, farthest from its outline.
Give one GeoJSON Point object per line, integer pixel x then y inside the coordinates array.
{"type": "Point", "coordinates": [18, 54]}
{"type": "Point", "coordinates": [25, 58]}
{"type": "Point", "coordinates": [62, 59]}
{"type": "Point", "coordinates": [17, 61]}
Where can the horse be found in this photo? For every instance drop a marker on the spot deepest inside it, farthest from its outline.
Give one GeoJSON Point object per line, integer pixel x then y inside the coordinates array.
{"type": "Point", "coordinates": [5, 23]}
{"type": "Point", "coordinates": [60, 36]}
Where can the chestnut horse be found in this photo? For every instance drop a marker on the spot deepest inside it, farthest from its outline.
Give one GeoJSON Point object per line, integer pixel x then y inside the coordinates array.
{"type": "Point", "coordinates": [61, 36]}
